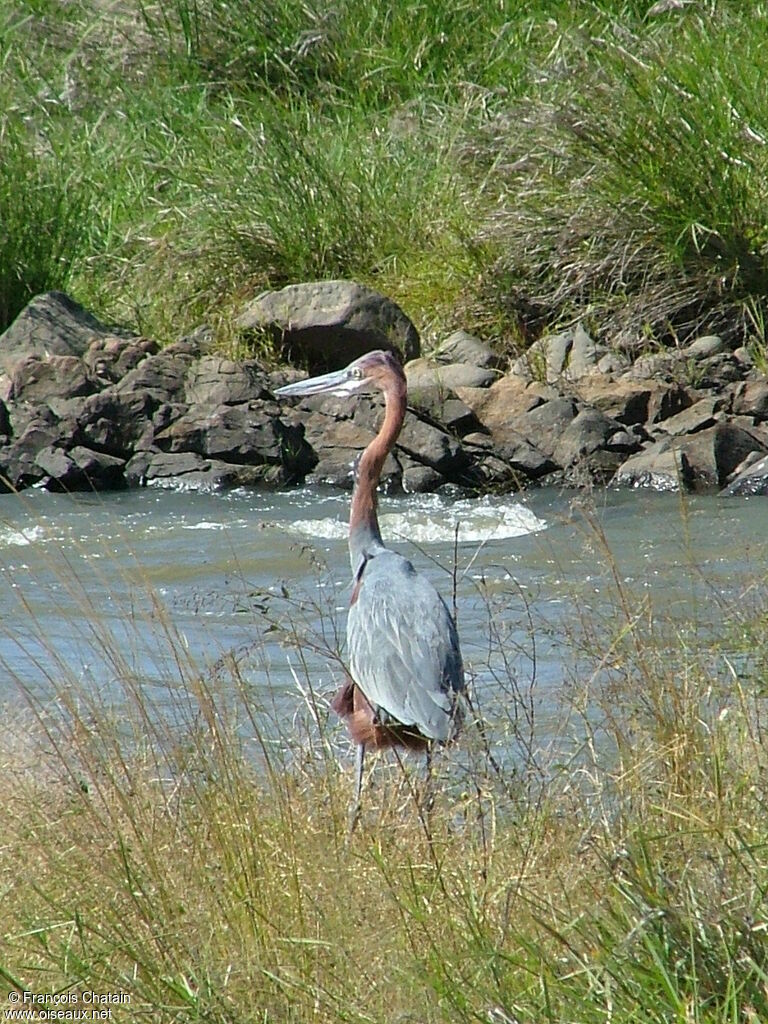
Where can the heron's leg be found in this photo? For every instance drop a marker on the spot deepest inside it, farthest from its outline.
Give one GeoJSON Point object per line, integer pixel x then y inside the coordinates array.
{"type": "Point", "coordinates": [354, 815]}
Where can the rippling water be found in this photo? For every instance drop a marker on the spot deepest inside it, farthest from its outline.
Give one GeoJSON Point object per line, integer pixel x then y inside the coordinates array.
{"type": "Point", "coordinates": [161, 584]}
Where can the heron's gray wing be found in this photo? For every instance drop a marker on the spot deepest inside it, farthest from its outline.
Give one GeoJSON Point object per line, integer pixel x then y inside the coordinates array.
{"type": "Point", "coordinates": [403, 646]}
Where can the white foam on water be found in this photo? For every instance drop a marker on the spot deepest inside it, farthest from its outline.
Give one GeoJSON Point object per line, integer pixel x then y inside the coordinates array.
{"type": "Point", "coordinates": [205, 525]}
{"type": "Point", "coordinates": [21, 538]}
{"type": "Point", "coordinates": [322, 529]}
{"type": "Point", "coordinates": [430, 522]}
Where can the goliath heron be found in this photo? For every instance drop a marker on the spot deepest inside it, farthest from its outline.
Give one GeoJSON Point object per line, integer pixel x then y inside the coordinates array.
{"type": "Point", "coordinates": [405, 668]}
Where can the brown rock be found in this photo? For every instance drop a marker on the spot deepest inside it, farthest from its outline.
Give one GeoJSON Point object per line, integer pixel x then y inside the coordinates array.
{"type": "Point", "coordinates": [632, 401]}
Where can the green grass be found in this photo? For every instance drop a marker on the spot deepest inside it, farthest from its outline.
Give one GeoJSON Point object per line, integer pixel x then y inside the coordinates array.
{"type": "Point", "coordinates": [43, 205]}
{"type": "Point", "coordinates": [191, 850]}
{"type": "Point", "coordinates": [500, 167]}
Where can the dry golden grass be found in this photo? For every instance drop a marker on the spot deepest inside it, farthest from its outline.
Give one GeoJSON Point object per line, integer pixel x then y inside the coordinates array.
{"type": "Point", "coordinates": [198, 858]}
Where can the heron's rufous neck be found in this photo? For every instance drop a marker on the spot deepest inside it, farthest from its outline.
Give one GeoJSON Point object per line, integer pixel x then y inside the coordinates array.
{"type": "Point", "coordinates": [363, 521]}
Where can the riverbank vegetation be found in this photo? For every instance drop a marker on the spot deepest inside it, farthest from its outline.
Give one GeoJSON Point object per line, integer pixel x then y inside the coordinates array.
{"type": "Point", "coordinates": [182, 844]}
{"type": "Point", "coordinates": [501, 167]}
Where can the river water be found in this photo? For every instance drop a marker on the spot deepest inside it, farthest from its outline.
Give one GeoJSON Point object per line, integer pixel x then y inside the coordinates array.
{"type": "Point", "coordinates": [161, 586]}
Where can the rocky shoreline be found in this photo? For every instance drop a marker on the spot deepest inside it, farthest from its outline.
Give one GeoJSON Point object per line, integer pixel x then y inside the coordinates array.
{"type": "Point", "coordinates": [84, 407]}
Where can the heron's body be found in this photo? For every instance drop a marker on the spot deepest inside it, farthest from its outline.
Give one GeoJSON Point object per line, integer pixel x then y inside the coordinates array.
{"type": "Point", "coordinates": [405, 668]}
{"type": "Point", "coordinates": [403, 654]}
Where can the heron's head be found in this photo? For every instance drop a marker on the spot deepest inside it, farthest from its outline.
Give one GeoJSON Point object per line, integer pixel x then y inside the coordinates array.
{"type": "Point", "coordinates": [374, 370]}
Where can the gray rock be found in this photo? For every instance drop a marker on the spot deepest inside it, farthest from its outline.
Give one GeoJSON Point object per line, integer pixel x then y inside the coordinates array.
{"type": "Point", "coordinates": [612, 363]}
{"type": "Point", "coordinates": [599, 467]}
{"type": "Point", "coordinates": [696, 417]}
{"type": "Point", "coordinates": [18, 468]}
{"type": "Point", "coordinates": [109, 357]}
{"type": "Point", "coordinates": [51, 324]}
{"type": "Point", "coordinates": [657, 366]}
{"type": "Point", "coordinates": [546, 424]}
{"type": "Point", "coordinates": [31, 433]}
{"type": "Point", "coordinates": [247, 434]}
{"type": "Point", "coordinates": [114, 421]}
{"type": "Point", "coordinates": [712, 455]}
{"type": "Point", "coordinates": [491, 471]}
{"type": "Point", "coordinates": [750, 398]}
{"type": "Point", "coordinates": [708, 345]}
{"type": "Point", "coordinates": [189, 471]}
{"type": "Point", "coordinates": [584, 435]}
{"type": "Point", "coordinates": [200, 340]}
{"type": "Point", "coordinates": [718, 371]}
{"type": "Point", "coordinates": [523, 368]}
{"type": "Point", "coordinates": [659, 468]}
{"type": "Point", "coordinates": [750, 478]}
{"type": "Point", "coordinates": [35, 380]}
{"type": "Point", "coordinates": [216, 381]}
{"type": "Point", "coordinates": [418, 479]}
{"type": "Point", "coordinates": [430, 446]}
{"type": "Point", "coordinates": [697, 461]}
{"type": "Point", "coordinates": [528, 461]}
{"type": "Point", "coordinates": [80, 469]}
{"type": "Point", "coordinates": [624, 441]}
{"type": "Point", "coordinates": [422, 374]}
{"type": "Point", "coordinates": [556, 349]}
{"type": "Point", "coordinates": [162, 377]}
{"type": "Point", "coordinates": [584, 355]}
{"type": "Point", "coordinates": [743, 356]}
{"type": "Point", "coordinates": [326, 324]}
{"type": "Point", "coordinates": [461, 347]}
{"type": "Point", "coordinates": [448, 410]}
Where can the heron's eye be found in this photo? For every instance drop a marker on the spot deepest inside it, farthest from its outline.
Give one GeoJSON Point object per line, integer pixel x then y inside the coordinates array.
{"type": "Point", "coordinates": [356, 373]}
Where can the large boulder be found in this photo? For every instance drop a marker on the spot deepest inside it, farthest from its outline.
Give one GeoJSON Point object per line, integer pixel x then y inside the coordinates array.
{"type": "Point", "coordinates": [432, 446]}
{"type": "Point", "coordinates": [545, 425]}
{"type": "Point", "coordinates": [51, 324]}
{"type": "Point", "coordinates": [327, 324]}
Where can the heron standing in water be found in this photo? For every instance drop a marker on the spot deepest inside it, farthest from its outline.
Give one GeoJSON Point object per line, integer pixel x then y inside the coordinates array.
{"type": "Point", "coordinates": [405, 668]}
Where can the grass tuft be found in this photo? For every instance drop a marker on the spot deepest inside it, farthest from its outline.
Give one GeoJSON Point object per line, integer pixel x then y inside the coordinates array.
{"type": "Point", "coordinates": [42, 207]}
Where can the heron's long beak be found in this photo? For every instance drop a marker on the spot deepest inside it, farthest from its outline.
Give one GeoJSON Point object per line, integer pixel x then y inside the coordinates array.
{"type": "Point", "coordinates": [340, 383]}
